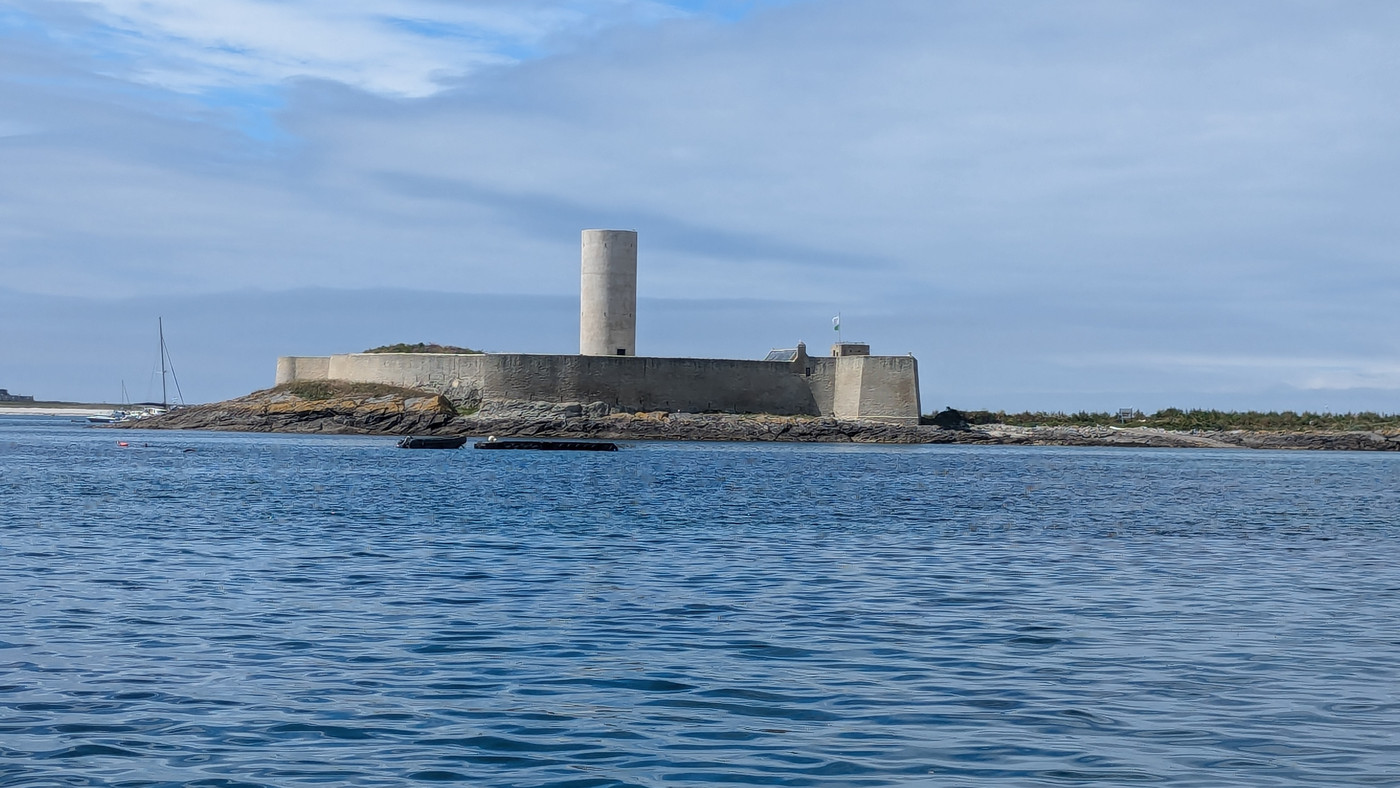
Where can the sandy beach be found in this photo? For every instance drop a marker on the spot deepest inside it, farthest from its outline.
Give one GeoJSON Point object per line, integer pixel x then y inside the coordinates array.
{"type": "Point", "coordinates": [16, 410]}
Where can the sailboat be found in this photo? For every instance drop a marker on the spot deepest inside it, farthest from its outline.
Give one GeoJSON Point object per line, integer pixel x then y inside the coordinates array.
{"type": "Point", "coordinates": [147, 409]}
{"type": "Point", "coordinates": [167, 367]}
{"type": "Point", "coordinates": [167, 370]}
{"type": "Point", "coordinates": [125, 414]}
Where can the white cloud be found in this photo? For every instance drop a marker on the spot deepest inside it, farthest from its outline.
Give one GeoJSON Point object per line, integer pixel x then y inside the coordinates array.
{"type": "Point", "coordinates": [1041, 196]}
{"type": "Point", "coordinates": [397, 47]}
{"type": "Point", "coordinates": [930, 144]}
{"type": "Point", "coordinates": [1306, 373]}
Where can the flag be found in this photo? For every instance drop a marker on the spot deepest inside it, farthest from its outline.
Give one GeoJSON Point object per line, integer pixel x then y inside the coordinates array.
{"type": "Point", "coordinates": [836, 323]}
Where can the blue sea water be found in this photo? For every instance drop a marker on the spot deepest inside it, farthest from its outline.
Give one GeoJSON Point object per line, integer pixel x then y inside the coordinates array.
{"type": "Point", "coordinates": [260, 610]}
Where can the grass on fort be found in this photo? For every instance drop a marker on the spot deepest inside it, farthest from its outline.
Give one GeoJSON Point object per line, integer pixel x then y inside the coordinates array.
{"type": "Point", "coordinates": [425, 347]}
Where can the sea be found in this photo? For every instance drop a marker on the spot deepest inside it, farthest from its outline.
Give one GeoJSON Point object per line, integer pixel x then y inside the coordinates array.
{"type": "Point", "coordinates": [240, 610]}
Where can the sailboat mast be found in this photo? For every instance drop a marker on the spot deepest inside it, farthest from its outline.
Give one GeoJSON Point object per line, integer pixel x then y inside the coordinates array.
{"type": "Point", "coordinates": [164, 400]}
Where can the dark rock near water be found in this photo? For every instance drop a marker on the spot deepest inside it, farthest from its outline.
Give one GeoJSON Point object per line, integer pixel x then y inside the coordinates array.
{"type": "Point", "coordinates": [279, 411]}
{"type": "Point", "coordinates": [950, 419]}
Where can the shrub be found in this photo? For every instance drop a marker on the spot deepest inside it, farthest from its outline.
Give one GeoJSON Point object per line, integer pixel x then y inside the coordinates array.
{"type": "Point", "coordinates": [1184, 420]}
{"type": "Point", "coordinates": [425, 347]}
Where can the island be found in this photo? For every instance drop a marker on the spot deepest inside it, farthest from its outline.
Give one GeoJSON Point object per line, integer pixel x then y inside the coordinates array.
{"type": "Point", "coordinates": [608, 391]}
{"type": "Point", "coordinates": [347, 408]}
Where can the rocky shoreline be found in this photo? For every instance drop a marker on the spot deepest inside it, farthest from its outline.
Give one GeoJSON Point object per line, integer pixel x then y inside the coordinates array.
{"type": "Point", "coordinates": [413, 413]}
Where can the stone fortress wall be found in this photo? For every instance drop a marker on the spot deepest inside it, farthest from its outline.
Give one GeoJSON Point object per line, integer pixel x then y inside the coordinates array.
{"type": "Point", "coordinates": [850, 384]}
{"type": "Point", "coordinates": [882, 388]}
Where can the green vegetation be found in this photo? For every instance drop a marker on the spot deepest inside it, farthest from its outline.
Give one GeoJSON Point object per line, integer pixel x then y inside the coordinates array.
{"type": "Point", "coordinates": [331, 389]}
{"type": "Point", "coordinates": [1177, 419]}
{"type": "Point", "coordinates": [425, 347]}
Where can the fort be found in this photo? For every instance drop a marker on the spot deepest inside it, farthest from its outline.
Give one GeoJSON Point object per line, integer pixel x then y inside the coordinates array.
{"type": "Point", "coordinates": [849, 384]}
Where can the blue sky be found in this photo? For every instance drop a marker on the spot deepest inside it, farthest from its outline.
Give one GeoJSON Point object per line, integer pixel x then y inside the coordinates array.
{"type": "Point", "coordinates": [1054, 205]}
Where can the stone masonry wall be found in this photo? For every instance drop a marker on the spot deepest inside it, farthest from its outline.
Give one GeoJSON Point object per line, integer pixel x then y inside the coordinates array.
{"type": "Point", "coordinates": [877, 388]}
{"type": "Point", "coordinates": [294, 368]}
{"type": "Point", "coordinates": [886, 389]}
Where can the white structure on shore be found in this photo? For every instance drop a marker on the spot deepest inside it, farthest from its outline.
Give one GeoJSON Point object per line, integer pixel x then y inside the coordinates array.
{"type": "Point", "coordinates": [608, 294]}
{"type": "Point", "coordinates": [849, 384]}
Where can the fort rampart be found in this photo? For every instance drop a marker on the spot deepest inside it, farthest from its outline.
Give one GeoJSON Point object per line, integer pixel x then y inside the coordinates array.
{"type": "Point", "coordinates": [849, 384]}
{"type": "Point", "coordinates": [882, 388]}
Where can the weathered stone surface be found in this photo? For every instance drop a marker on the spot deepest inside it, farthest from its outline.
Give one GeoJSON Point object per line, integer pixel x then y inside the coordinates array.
{"type": "Point", "coordinates": [273, 411]}
{"type": "Point", "coordinates": [690, 426]}
{"type": "Point", "coordinates": [430, 414]}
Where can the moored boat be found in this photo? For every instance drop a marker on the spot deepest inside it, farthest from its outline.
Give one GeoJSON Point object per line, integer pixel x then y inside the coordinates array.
{"type": "Point", "coordinates": [432, 442]}
{"type": "Point", "coordinates": [548, 445]}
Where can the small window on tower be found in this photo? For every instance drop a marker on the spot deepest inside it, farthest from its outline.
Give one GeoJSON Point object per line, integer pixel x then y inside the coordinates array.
{"type": "Point", "coordinates": [622, 351]}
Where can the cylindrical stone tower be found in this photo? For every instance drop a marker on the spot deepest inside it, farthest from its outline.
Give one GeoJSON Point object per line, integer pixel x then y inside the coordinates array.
{"type": "Point", "coordinates": [608, 295]}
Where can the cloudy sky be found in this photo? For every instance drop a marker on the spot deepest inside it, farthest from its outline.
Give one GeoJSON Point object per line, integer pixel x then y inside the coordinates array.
{"type": "Point", "coordinates": [1054, 204]}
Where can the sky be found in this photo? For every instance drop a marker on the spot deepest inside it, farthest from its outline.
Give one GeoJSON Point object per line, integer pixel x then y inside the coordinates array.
{"type": "Point", "coordinates": [1053, 204]}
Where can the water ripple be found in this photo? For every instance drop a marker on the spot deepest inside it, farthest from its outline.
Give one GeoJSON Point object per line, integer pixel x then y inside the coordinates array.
{"type": "Point", "coordinates": [281, 611]}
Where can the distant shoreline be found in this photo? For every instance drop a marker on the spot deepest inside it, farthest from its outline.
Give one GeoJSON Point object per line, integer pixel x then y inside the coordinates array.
{"type": "Point", "coordinates": [56, 409]}
{"type": "Point", "coordinates": [361, 409]}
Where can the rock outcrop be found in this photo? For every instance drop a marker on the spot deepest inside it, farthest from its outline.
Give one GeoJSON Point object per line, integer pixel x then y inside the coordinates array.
{"type": "Point", "coordinates": [401, 412]}
{"type": "Point", "coordinates": [274, 410]}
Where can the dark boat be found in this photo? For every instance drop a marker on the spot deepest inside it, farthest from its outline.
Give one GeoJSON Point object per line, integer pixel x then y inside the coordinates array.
{"type": "Point", "coordinates": [432, 443]}
{"type": "Point", "coordinates": [549, 445]}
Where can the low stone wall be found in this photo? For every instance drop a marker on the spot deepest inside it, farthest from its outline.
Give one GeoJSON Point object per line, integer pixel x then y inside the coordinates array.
{"type": "Point", "coordinates": [869, 387]}
{"type": "Point", "coordinates": [294, 368]}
